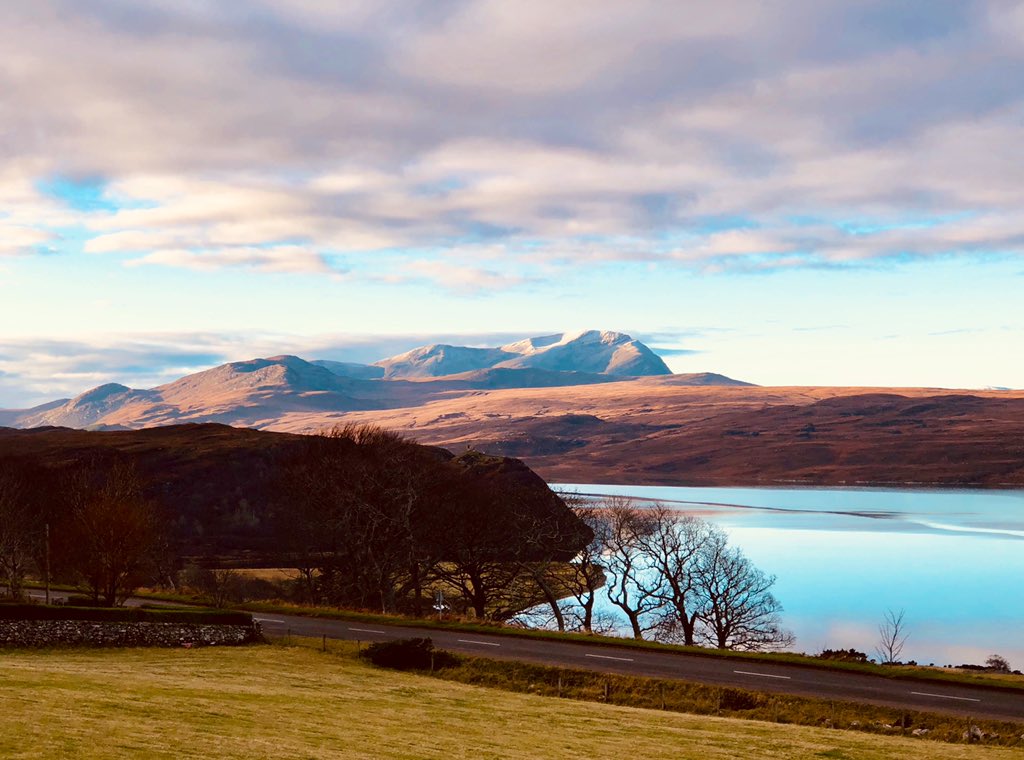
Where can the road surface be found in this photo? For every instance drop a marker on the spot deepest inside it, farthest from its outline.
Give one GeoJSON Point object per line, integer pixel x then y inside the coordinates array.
{"type": "Point", "coordinates": [929, 696]}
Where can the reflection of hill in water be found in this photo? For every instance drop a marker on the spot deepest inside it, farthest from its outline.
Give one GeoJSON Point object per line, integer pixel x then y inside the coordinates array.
{"type": "Point", "coordinates": [974, 512]}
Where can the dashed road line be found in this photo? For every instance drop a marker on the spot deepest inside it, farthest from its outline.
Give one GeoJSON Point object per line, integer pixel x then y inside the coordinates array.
{"type": "Point", "coordinates": [608, 657]}
{"type": "Point", "coordinates": [763, 675]}
{"type": "Point", "coordinates": [366, 630]}
{"type": "Point", "coordinates": [944, 696]}
{"type": "Point", "coordinates": [267, 620]}
{"type": "Point", "coordinates": [480, 643]}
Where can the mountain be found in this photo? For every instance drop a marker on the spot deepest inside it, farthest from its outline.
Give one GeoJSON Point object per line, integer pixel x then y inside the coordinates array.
{"type": "Point", "coordinates": [606, 353]}
{"type": "Point", "coordinates": [85, 410]}
{"type": "Point", "coordinates": [438, 360]}
{"type": "Point", "coordinates": [14, 417]}
{"type": "Point", "coordinates": [241, 393]}
{"type": "Point", "coordinates": [287, 391]}
{"type": "Point", "coordinates": [591, 351]}
{"type": "Point", "coordinates": [351, 369]}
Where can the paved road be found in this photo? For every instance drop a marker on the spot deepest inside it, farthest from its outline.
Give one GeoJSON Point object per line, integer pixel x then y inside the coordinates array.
{"type": "Point", "coordinates": [931, 696]}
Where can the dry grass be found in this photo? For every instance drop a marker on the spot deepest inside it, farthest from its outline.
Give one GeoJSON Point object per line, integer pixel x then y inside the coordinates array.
{"type": "Point", "coordinates": [293, 702]}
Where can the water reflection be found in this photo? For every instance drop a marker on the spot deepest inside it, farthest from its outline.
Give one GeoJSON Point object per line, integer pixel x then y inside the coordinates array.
{"type": "Point", "coordinates": [953, 559]}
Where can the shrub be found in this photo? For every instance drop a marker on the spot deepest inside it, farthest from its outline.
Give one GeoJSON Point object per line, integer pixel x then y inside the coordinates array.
{"type": "Point", "coordinates": [408, 654]}
{"type": "Point", "coordinates": [843, 655]}
{"type": "Point", "coordinates": [737, 699]}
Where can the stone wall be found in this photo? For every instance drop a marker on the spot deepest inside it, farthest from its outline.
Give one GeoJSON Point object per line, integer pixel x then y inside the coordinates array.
{"type": "Point", "coordinates": [47, 633]}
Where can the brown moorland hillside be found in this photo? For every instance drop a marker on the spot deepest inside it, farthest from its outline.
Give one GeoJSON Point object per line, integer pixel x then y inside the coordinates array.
{"type": "Point", "coordinates": [656, 431]}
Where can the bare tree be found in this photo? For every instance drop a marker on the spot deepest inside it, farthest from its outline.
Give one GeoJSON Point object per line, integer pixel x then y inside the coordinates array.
{"type": "Point", "coordinates": [18, 537]}
{"type": "Point", "coordinates": [672, 547]}
{"type": "Point", "coordinates": [351, 500]}
{"type": "Point", "coordinates": [892, 636]}
{"type": "Point", "coordinates": [219, 586]}
{"type": "Point", "coordinates": [586, 572]}
{"type": "Point", "coordinates": [628, 567]}
{"type": "Point", "coordinates": [738, 610]}
{"type": "Point", "coordinates": [112, 531]}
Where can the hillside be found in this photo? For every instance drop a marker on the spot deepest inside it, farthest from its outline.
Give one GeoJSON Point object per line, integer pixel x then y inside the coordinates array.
{"type": "Point", "coordinates": [657, 431]}
{"type": "Point", "coordinates": [221, 486]}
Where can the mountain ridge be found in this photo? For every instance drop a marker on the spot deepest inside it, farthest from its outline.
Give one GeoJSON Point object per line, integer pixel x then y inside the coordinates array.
{"type": "Point", "coordinates": [261, 392]}
{"type": "Point", "coordinates": [589, 351]}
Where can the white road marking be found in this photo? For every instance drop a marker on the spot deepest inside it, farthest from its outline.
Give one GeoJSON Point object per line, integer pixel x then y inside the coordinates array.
{"type": "Point", "coordinates": [366, 630]}
{"type": "Point", "coordinates": [481, 643]}
{"type": "Point", "coordinates": [944, 696]}
{"type": "Point", "coordinates": [608, 657]}
{"type": "Point", "coordinates": [762, 675]}
{"type": "Point", "coordinates": [267, 620]}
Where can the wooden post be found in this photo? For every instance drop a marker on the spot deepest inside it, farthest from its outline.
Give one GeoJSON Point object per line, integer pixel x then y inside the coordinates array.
{"type": "Point", "coordinates": [559, 684]}
{"type": "Point", "coordinates": [662, 690]}
{"type": "Point", "coordinates": [325, 643]}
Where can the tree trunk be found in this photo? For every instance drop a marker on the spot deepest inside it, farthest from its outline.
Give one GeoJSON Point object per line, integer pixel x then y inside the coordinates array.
{"type": "Point", "coordinates": [552, 600]}
{"type": "Point", "coordinates": [417, 586]}
{"type": "Point", "coordinates": [634, 621]}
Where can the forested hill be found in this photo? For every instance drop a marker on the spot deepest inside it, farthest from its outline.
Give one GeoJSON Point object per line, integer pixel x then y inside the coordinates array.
{"type": "Point", "coordinates": [230, 493]}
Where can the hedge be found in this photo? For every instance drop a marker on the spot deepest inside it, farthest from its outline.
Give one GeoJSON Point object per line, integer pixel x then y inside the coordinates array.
{"type": "Point", "coordinates": [123, 615]}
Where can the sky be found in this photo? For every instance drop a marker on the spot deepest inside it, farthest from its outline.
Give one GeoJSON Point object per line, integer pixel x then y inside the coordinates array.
{"type": "Point", "coordinates": [790, 193]}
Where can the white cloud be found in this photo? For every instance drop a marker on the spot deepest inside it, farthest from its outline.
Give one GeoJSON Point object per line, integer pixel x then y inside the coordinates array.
{"type": "Point", "coordinates": [600, 132]}
{"type": "Point", "coordinates": [290, 259]}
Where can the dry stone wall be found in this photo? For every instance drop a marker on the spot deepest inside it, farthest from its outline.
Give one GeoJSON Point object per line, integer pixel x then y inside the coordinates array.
{"type": "Point", "coordinates": [47, 633]}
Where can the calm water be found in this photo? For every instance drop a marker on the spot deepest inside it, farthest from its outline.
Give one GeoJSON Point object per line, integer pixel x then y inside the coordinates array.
{"type": "Point", "coordinates": [953, 559]}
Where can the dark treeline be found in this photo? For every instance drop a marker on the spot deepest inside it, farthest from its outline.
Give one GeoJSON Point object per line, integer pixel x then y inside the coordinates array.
{"type": "Point", "coordinates": [86, 523]}
{"type": "Point", "coordinates": [374, 521]}
{"type": "Point", "coordinates": [370, 520]}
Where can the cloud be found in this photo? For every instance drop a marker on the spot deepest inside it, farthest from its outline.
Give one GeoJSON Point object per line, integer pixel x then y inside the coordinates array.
{"type": "Point", "coordinates": [293, 259]}
{"type": "Point", "coordinates": [456, 277]}
{"type": "Point", "coordinates": [285, 136]}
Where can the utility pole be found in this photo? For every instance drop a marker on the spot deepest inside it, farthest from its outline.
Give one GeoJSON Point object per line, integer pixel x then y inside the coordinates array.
{"type": "Point", "coordinates": [47, 563]}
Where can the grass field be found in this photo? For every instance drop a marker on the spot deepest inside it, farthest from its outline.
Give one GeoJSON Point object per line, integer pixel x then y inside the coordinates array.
{"type": "Point", "coordinates": [295, 702]}
{"type": "Point", "coordinates": [950, 675]}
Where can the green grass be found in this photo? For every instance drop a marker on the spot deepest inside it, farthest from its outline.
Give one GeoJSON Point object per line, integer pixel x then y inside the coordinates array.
{"type": "Point", "coordinates": [295, 702]}
{"type": "Point", "coordinates": [966, 677]}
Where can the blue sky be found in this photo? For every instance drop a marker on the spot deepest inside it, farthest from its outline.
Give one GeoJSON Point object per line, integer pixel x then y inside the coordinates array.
{"type": "Point", "coordinates": [811, 193]}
